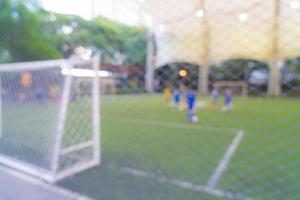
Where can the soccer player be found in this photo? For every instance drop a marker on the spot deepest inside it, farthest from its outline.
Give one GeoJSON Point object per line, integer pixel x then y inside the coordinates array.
{"type": "Point", "coordinates": [167, 93]}
{"type": "Point", "coordinates": [176, 96]}
{"type": "Point", "coordinates": [53, 91]}
{"type": "Point", "coordinates": [191, 97]}
{"type": "Point", "coordinates": [214, 98]}
{"type": "Point", "coordinates": [183, 104]}
{"type": "Point", "coordinates": [228, 100]}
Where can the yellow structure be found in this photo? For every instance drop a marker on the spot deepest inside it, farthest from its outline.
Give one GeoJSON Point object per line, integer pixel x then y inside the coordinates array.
{"type": "Point", "coordinates": [205, 32]}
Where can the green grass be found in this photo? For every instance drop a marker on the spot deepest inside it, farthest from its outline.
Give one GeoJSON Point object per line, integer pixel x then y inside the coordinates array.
{"type": "Point", "coordinates": [29, 130]}
{"type": "Point", "coordinates": [144, 133]}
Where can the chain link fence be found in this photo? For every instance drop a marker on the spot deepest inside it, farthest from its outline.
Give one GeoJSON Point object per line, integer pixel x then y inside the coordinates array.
{"type": "Point", "coordinates": [199, 120]}
{"type": "Point", "coordinates": [199, 99]}
{"type": "Point", "coordinates": [40, 116]}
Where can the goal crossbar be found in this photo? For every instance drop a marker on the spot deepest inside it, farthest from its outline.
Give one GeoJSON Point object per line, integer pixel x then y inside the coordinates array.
{"type": "Point", "coordinates": [39, 65]}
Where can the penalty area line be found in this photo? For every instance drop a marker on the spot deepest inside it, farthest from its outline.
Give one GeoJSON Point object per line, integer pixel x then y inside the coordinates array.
{"type": "Point", "coordinates": [184, 184]}
{"type": "Point", "coordinates": [222, 166]}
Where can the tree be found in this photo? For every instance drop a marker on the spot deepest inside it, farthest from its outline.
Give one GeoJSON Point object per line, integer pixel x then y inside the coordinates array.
{"type": "Point", "coordinates": [114, 39]}
{"type": "Point", "coordinates": [235, 69]}
{"type": "Point", "coordinates": [20, 33]}
{"type": "Point", "coordinates": [35, 34]}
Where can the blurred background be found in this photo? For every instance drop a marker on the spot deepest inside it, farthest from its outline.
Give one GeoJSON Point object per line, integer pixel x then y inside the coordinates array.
{"type": "Point", "coordinates": [155, 54]}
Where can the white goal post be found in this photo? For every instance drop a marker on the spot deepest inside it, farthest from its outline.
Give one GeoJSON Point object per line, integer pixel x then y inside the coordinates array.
{"type": "Point", "coordinates": [243, 86]}
{"type": "Point", "coordinates": [49, 117]}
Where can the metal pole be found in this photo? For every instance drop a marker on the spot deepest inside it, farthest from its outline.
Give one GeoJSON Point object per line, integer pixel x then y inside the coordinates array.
{"type": "Point", "coordinates": [150, 54]}
{"type": "Point", "coordinates": [1, 115]}
{"type": "Point", "coordinates": [149, 73]}
{"type": "Point", "coordinates": [115, 10]}
{"type": "Point", "coordinates": [204, 69]}
{"type": "Point", "coordinates": [274, 84]}
{"type": "Point", "coordinates": [93, 15]}
{"type": "Point", "coordinates": [96, 109]}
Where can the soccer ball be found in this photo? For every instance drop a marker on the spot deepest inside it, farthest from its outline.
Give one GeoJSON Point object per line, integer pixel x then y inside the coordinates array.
{"type": "Point", "coordinates": [194, 119]}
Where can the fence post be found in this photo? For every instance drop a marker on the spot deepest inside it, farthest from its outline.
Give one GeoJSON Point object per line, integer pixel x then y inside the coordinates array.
{"type": "Point", "coordinates": [204, 69]}
{"type": "Point", "coordinates": [203, 79]}
{"type": "Point", "coordinates": [149, 72]}
{"type": "Point", "coordinates": [274, 84]}
{"type": "Point", "coordinates": [96, 108]}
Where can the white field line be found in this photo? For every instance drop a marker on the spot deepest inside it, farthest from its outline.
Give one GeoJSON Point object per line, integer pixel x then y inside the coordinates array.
{"type": "Point", "coordinates": [184, 184]}
{"type": "Point", "coordinates": [173, 124]}
{"type": "Point", "coordinates": [39, 183]}
{"type": "Point", "coordinates": [215, 178]}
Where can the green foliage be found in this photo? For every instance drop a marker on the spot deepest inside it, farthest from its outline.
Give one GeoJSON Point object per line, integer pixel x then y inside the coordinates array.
{"type": "Point", "coordinates": [114, 39]}
{"type": "Point", "coordinates": [235, 69]}
{"type": "Point", "coordinates": [168, 74]}
{"type": "Point", "coordinates": [36, 34]}
{"type": "Point", "coordinates": [293, 64]}
{"type": "Point", "coordinates": [291, 76]}
{"type": "Point", "coordinates": [20, 33]}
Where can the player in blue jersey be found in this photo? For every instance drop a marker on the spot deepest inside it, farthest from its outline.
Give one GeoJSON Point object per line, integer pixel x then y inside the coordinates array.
{"type": "Point", "coordinates": [228, 100]}
{"type": "Point", "coordinates": [176, 96]}
{"type": "Point", "coordinates": [191, 99]}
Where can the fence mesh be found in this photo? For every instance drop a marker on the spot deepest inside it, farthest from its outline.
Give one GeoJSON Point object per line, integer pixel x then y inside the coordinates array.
{"type": "Point", "coordinates": [199, 100]}
{"type": "Point", "coordinates": [41, 108]}
{"type": "Point", "coordinates": [23, 136]}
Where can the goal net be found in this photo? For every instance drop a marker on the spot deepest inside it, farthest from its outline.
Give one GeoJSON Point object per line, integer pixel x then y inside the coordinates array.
{"type": "Point", "coordinates": [49, 115]}
{"type": "Point", "coordinates": [239, 88]}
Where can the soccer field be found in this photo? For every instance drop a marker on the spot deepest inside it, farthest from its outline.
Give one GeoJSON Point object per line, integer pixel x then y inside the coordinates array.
{"type": "Point", "coordinates": [150, 152]}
